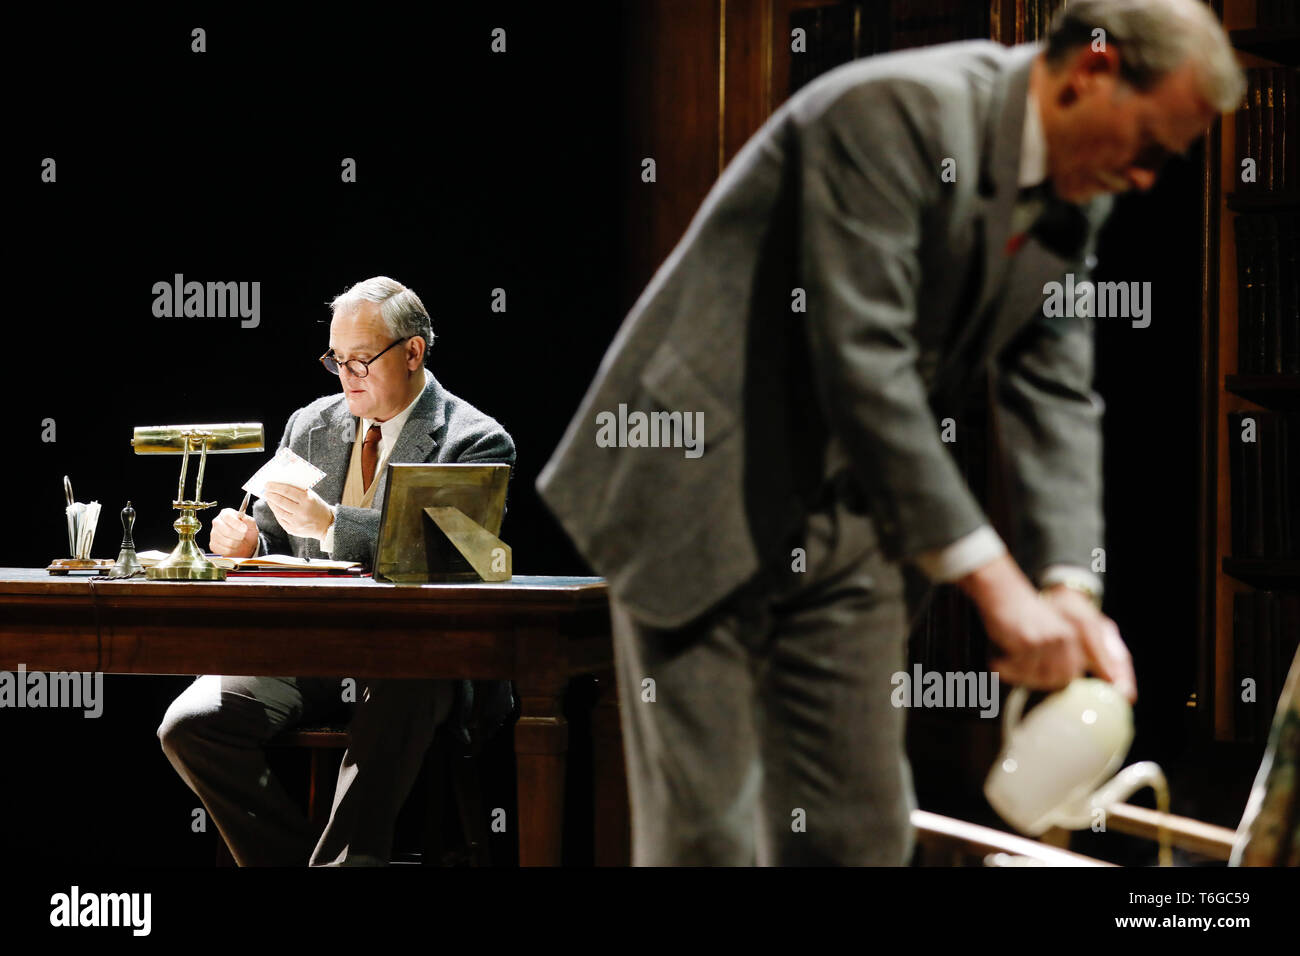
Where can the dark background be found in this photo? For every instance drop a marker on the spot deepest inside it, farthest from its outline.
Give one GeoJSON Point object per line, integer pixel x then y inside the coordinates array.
{"type": "Point", "coordinates": [475, 171]}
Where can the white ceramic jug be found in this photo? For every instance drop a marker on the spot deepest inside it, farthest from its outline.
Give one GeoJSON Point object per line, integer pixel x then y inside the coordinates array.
{"type": "Point", "coordinates": [1053, 761]}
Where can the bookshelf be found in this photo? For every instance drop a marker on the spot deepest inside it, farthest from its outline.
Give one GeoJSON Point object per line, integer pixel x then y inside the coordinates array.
{"type": "Point", "coordinates": [1268, 391]}
{"type": "Point", "coordinates": [1280, 44]}
{"type": "Point", "coordinates": [1250, 489]}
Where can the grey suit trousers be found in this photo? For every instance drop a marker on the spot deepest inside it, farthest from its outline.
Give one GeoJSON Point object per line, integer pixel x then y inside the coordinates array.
{"type": "Point", "coordinates": [213, 734]}
{"type": "Point", "coordinates": [771, 738]}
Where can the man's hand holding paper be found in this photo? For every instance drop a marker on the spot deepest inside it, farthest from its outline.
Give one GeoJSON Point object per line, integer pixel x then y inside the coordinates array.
{"type": "Point", "coordinates": [300, 511]}
{"type": "Point", "coordinates": [285, 484]}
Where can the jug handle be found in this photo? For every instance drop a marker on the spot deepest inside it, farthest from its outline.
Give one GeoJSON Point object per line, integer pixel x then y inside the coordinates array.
{"type": "Point", "coordinates": [1126, 783]}
{"type": "Point", "coordinates": [1015, 706]}
{"type": "Point", "coordinates": [1118, 788]}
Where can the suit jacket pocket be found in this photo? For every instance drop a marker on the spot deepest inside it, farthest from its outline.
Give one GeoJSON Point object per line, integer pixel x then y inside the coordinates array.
{"type": "Point", "coordinates": [655, 489]}
{"type": "Point", "coordinates": [675, 386]}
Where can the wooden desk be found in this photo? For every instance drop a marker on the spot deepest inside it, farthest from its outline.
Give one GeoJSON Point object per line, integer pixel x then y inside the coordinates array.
{"type": "Point", "coordinates": [536, 631]}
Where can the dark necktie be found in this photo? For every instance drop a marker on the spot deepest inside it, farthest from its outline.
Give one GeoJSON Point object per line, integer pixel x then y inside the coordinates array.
{"type": "Point", "coordinates": [369, 456]}
{"type": "Point", "coordinates": [1060, 227]}
{"type": "Point", "coordinates": [1029, 206]}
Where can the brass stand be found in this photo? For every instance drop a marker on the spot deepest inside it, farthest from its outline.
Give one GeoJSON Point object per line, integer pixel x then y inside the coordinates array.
{"type": "Point", "coordinates": [186, 562]}
{"type": "Point", "coordinates": [488, 555]}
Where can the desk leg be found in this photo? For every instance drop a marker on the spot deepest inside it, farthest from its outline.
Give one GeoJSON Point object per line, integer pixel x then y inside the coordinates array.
{"type": "Point", "coordinates": [541, 747]}
{"type": "Point", "coordinates": [613, 827]}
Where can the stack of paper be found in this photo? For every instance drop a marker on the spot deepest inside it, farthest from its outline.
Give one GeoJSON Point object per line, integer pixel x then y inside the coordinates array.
{"type": "Point", "coordinates": [288, 561]}
{"type": "Point", "coordinates": [266, 561]}
{"type": "Point", "coordinates": [83, 520]}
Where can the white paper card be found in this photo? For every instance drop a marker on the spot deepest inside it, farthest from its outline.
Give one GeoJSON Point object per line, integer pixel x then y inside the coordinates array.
{"type": "Point", "coordinates": [286, 467]}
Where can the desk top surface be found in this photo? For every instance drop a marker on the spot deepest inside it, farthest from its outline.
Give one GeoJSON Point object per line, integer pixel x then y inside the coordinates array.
{"type": "Point", "coordinates": [38, 581]}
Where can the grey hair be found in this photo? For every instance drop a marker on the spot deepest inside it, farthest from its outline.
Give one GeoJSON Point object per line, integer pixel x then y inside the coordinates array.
{"type": "Point", "coordinates": [1154, 37]}
{"type": "Point", "coordinates": [402, 310]}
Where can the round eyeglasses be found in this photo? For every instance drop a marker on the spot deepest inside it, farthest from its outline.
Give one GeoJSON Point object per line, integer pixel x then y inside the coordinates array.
{"type": "Point", "coordinates": [357, 367]}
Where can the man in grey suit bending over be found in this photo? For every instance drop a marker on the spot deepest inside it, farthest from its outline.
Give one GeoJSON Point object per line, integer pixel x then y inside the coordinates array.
{"type": "Point", "coordinates": [760, 453]}
{"type": "Point", "coordinates": [212, 733]}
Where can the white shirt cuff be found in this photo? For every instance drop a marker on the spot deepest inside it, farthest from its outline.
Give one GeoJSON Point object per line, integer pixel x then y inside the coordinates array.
{"type": "Point", "coordinates": [963, 556]}
{"type": "Point", "coordinates": [327, 542]}
{"type": "Point", "coordinates": [1063, 573]}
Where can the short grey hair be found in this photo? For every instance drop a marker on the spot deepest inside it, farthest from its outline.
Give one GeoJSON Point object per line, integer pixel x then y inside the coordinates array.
{"type": "Point", "coordinates": [1154, 37]}
{"type": "Point", "coordinates": [402, 310]}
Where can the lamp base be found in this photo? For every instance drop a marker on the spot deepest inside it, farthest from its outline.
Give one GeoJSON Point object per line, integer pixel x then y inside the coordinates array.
{"type": "Point", "coordinates": [186, 562]}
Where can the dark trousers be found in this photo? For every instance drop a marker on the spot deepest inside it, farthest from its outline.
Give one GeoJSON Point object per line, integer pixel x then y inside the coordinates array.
{"type": "Point", "coordinates": [764, 732]}
{"type": "Point", "coordinates": [214, 732]}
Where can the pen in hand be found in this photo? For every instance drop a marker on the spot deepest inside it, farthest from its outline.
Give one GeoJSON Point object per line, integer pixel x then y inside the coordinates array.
{"type": "Point", "coordinates": [243, 509]}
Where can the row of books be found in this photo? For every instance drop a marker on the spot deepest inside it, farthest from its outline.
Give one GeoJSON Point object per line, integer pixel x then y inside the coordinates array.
{"type": "Point", "coordinates": [916, 23]}
{"type": "Point", "coordinates": [1263, 461]}
{"type": "Point", "coordinates": [833, 35]}
{"type": "Point", "coordinates": [1265, 640]}
{"type": "Point", "coordinates": [1266, 130]}
{"type": "Point", "coordinates": [836, 33]}
{"type": "Point", "coordinates": [1268, 293]}
{"type": "Point", "coordinates": [949, 636]}
{"type": "Point", "coordinates": [1036, 17]}
{"type": "Point", "coordinates": [1277, 13]}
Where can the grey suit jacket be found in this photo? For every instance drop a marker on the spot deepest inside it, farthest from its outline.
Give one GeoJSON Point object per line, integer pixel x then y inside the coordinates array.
{"type": "Point", "coordinates": [441, 428]}
{"type": "Point", "coordinates": [833, 286]}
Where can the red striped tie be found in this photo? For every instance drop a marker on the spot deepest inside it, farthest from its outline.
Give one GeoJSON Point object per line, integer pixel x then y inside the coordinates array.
{"type": "Point", "coordinates": [369, 456]}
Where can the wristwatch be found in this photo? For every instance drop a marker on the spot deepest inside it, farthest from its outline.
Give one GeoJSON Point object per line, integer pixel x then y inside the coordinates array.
{"type": "Point", "coordinates": [1079, 586]}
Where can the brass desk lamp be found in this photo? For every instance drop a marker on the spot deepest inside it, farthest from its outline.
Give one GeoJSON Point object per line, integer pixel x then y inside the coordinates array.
{"type": "Point", "coordinates": [186, 562]}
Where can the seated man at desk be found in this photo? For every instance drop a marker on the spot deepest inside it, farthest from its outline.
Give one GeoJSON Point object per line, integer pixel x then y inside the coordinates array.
{"type": "Point", "coordinates": [212, 733]}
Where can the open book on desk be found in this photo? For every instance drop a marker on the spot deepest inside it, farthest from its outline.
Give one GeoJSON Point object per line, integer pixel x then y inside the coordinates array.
{"type": "Point", "coordinates": [270, 563]}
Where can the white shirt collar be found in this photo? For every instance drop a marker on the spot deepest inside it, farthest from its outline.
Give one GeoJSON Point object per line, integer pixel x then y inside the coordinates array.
{"type": "Point", "coordinates": [1033, 146]}
{"type": "Point", "coordinates": [389, 430]}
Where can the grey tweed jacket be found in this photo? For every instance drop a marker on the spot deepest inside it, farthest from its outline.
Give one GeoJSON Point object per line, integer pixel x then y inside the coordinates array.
{"type": "Point", "coordinates": [441, 428]}
{"type": "Point", "coordinates": [833, 285]}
